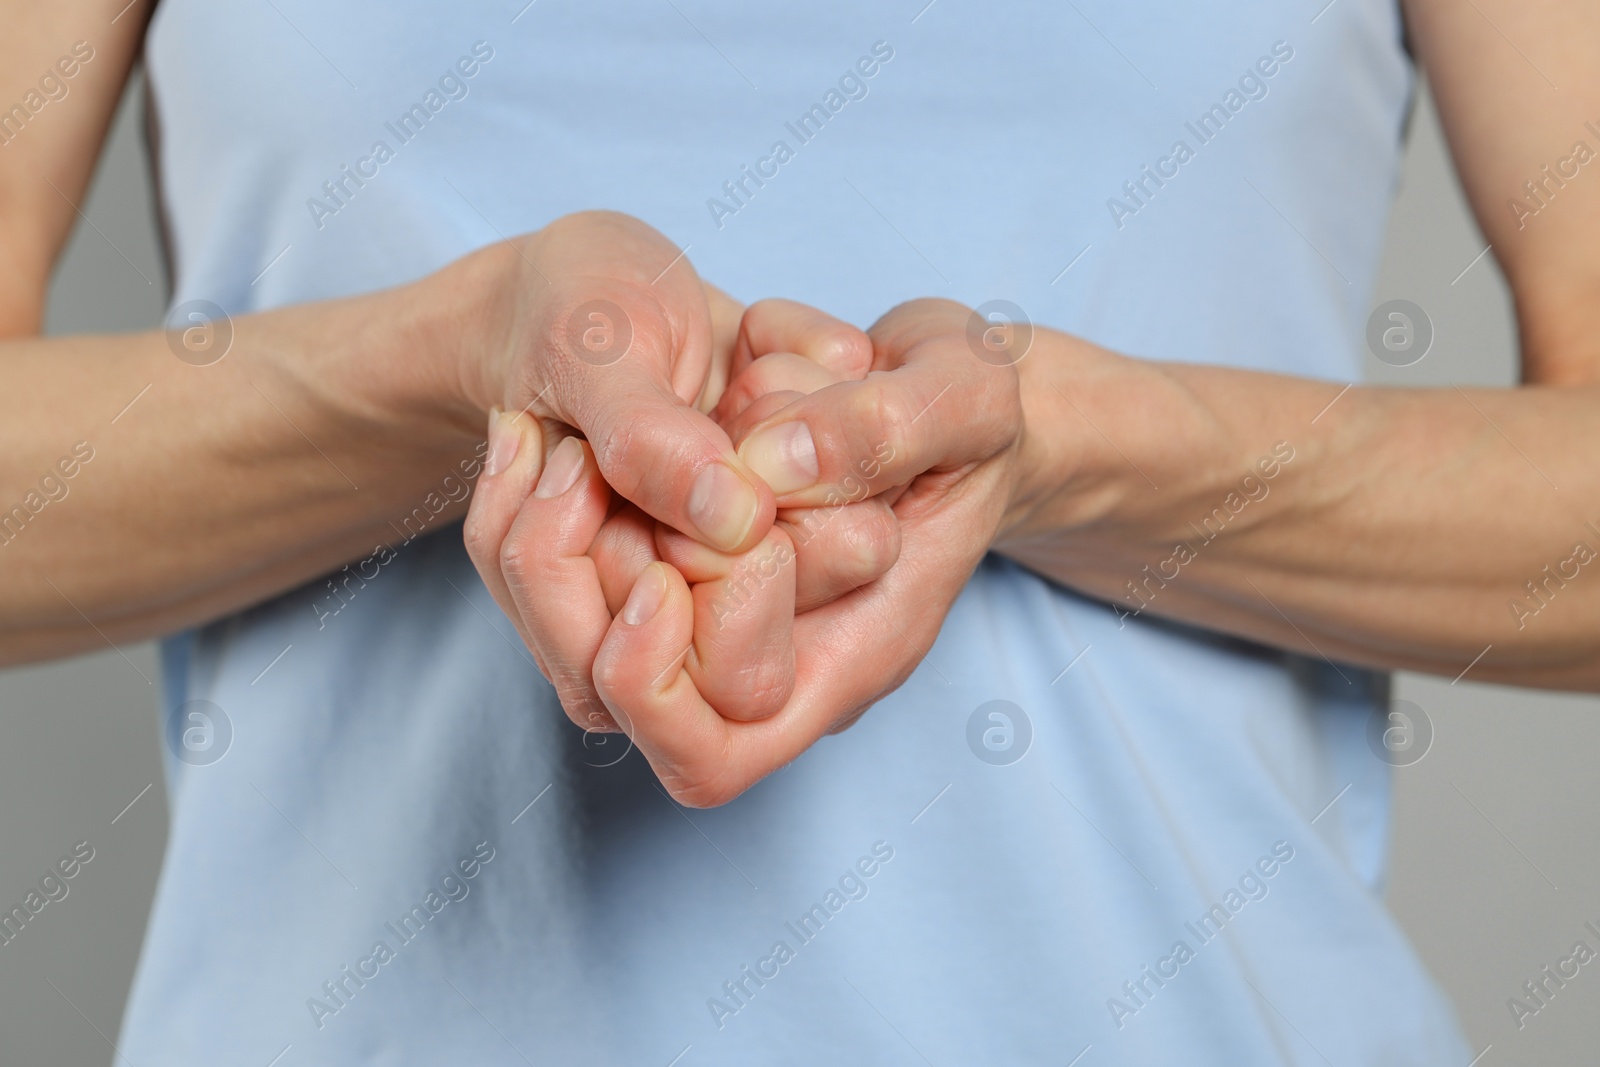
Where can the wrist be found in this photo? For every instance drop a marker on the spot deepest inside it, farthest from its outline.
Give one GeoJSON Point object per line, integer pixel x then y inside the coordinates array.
{"type": "Point", "coordinates": [1127, 452]}
{"type": "Point", "coordinates": [398, 373]}
{"type": "Point", "coordinates": [1073, 468]}
{"type": "Point", "coordinates": [492, 315]}
{"type": "Point", "coordinates": [459, 324]}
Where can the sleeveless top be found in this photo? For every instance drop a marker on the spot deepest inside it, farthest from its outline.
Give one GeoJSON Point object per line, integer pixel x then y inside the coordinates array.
{"type": "Point", "coordinates": [1072, 833]}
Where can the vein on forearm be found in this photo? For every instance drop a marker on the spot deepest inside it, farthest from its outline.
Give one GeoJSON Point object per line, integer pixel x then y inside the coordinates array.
{"type": "Point", "coordinates": [1404, 532]}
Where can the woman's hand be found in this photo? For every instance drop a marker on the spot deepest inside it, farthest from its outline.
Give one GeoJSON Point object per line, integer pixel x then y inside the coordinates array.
{"type": "Point", "coordinates": [787, 350]}
{"type": "Point", "coordinates": [872, 438]}
{"type": "Point", "coordinates": [937, 432]}
{"type": "Point", "coordinates": [643, 628]}
{"type": "Point", "coordinates": [598, 325]}
{"type": "Point", "coordinates": [607, 352]}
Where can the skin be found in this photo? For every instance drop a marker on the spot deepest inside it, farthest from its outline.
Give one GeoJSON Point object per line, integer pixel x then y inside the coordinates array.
{"type": "Point", "coordinates": [646, 662]}
{"type": "Point", "coordinates": [1410, 518]}
{"type": "Point", "coordinates": [1393, 539]}
{"type": "Point", "coordinates": [324, 425]}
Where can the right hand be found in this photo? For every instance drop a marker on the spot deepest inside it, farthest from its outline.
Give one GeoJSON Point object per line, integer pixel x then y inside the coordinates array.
{"type": "Point", "coordinates": [688, 650]}
{"type": "Point", "coordinates": [950, 479]}
{"type": "Point", "coordinates": [597, 328]}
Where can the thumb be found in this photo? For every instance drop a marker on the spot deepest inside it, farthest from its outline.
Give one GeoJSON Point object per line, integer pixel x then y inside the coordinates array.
{"type": "Point", "coordinates": [613, 368]}
{"type": "Point", "coordinates": [676, 464]}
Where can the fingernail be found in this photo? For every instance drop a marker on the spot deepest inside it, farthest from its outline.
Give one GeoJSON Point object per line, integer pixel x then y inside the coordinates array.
{"type": "Point", "coordinates": [561, 470]}
{"type": "Point", "coordinates": [649, 590]}
{"type": "Point", "coordinates": [504, 438]}
{"type": "Point", "coordinates": [723, 506]}
{"type": "Point", "coordinates": [784, 456]}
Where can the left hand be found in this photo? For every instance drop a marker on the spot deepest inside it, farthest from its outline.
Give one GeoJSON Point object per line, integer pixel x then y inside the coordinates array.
{"type": "Point", "coordinates": [932, 423]}
{"type": "Point", "coordinates": [937, 431]}
{"type": "Point", "coordinates": [931, 427]}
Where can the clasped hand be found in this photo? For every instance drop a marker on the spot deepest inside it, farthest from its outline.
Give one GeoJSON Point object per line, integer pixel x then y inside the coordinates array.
{"type": "Point", "coordinates": [737, 534]}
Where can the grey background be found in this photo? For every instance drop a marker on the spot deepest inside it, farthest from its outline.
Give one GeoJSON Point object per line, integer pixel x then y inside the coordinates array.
{"type": "Point", "coordinates": [1494, 861]}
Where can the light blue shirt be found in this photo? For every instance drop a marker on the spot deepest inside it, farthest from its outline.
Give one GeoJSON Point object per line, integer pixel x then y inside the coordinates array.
{"type": "Point", "coordinates": [1164, 846]}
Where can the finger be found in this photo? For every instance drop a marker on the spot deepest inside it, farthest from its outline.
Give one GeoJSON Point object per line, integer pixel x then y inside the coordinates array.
{"type": "Point", "coordinates": [702, 758]}
{"type": "Point", "coordinates": [673, 461]}
{"type": "Point", "coordinates": [848, 654]}
{"type": "Point", "coordinates": [511, 467]}
{"type": "Point", "coordinates": [622, 549]}
{"type": "Point", "coordinates": [759, 410]}
{"type": "Point", "coordinates": [639, 675]}
{"type": "Point", "coordinates": [839, 550]}
{"type": "Point", "coordinates": [624, 362]}
{"type": "Point", "coordinates": [778, 372]}
{"type": "Point", "coordinates": [726, 314]}
{"type": "Point", "coordinates": [741, 659]}
{"type": "Point", "coordinates": [938, 409]}
{"type": "Point", "coordinates": [775, 325]}
{"type": "Point", "coordinates": [553, 581]}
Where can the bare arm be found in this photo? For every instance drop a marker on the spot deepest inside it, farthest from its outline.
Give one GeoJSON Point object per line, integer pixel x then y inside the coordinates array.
{"type": "Point", "coordinates": [140, 493]}
{"type": "Point", "coordinates": [222, 484]}
{"type": "Point", "coordinates": [68, 63]}
{"type": "Point", "coordinates": [1408, 525]}
{"type": "Point", "coordinates": [207, 493]}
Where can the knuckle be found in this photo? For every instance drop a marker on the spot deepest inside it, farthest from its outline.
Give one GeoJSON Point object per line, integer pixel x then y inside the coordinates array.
{"type": "Point", "coordinates": [619, 453]}
{"type": "Point", "coordinates": [1004, 407]}
{"type": "Point", "coordinates": [707, 780]}
{"type": "Point", "coordinates": [514, 559]}
{"type": "Point", "coordinates": [883, 417]}
{"type": "Point", "coordinates": [764, 690]}
{"type": "Point", "coordinates": [703, 792]}
{"type": "Point", "coordinates": [848, 351]}
{"type": "Point", "coordinates": [745, 389]}
{"type": "Point", "coordinates": [765, 307]}
{"type": "Point", "coordinates": [577, 698]}
{"type": "Point", "coordinates": [847, 720]}
{"type": "Point", "coordinates": [476, 536]}
{"type": "Point", "coordinates": [610, 676]}
{"type": "Point", "coordinates": [521, 562]}
{"type": "Point", "coordinates": [929, 305]}
{"type": "Point", "coordinates": [870, 542]}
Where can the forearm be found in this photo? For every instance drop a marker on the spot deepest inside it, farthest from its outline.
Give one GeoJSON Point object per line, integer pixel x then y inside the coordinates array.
{"type": "Point", "coordinates": [326, 431]}
{"type": "Point", "coordinates": [1398, 528]}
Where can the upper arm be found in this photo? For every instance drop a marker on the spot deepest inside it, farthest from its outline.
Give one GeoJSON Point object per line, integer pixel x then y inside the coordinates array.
{"type": "Point", "coordinates": [62, 70]}
{"type": "Point", "coordinates": [1517, 88]}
